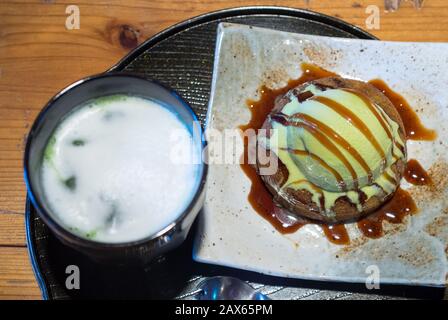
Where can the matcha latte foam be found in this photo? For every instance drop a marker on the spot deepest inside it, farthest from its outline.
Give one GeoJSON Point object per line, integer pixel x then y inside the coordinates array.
{"type": "Point", "coordinates": [110, 171]}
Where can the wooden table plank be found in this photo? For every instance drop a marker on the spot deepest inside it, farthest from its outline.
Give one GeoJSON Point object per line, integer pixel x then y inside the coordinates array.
{"type": "Point", "coordinates": [39, 56]}
{"type": "Point", "coordinates": [16, 277]}
{"type": "Point", "coordinates": [13, 230]}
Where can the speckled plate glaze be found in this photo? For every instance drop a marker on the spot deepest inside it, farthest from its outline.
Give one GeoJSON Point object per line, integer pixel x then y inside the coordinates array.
{"type": "Point", "coordinates": [182, 57]}
{"type": "Point", "coordinates": [233, 234]}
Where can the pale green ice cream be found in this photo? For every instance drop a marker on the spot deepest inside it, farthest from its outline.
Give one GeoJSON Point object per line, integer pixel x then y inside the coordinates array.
{"type": "Point", "coordinates": [339, 141]}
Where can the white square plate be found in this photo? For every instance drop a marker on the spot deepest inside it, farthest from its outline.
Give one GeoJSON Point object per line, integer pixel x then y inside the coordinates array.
{"type": "Point", "coordinates": [232, 234]}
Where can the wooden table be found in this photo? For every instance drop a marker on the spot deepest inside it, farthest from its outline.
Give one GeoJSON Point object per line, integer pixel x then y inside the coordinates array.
{"type": "Point", "coordinates": [39, 56]}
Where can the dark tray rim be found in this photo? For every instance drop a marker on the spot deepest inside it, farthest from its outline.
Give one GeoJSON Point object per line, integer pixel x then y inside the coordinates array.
{"type": "Point", "coordinates": [241, 11]}
{"type": "Point", "coordinates": [164, 34]}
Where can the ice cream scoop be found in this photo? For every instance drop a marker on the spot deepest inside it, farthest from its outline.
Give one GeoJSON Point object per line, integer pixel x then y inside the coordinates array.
{"type": "Point", "coordinates": [341, 149]}
{"type": "Point", "coordinates": [338, 138]}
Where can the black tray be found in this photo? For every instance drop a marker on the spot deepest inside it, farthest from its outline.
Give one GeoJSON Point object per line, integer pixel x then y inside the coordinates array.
{"type": "Point", "coordinates": [182, 57]}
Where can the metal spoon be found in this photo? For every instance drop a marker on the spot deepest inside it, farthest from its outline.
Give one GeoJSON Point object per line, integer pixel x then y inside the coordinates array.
{"type": "Point", "coordinates": [227, 288]}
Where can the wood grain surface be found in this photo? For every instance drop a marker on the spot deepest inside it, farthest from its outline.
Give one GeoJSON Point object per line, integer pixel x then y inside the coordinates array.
{"type": "Point", "coordinates": [39, 56]}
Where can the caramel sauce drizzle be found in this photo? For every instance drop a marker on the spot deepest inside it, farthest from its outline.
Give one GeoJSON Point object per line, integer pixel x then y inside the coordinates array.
{"type": "Point", "coordinates": [338, 139]}
{"type": "Point", "coordinates": [260, 109]}
{"type": "Point", "coordinates": [413, 126]}
{"type": "Point", "coordinates": [399, 147]}
{"type": "Point", "coordinates": [331, 147]}
{"type": "Point", "coordinates": [393, 211]}
{"type": "Point", "coordinates": [401, 204]}
{"type": "Point", "coordinates": [350, 116]}
{"type": "Point", "coordinates": [389, 178]}
{"type": "Point", "coordinates": [336, 233]}
{"type": "Point", "coordinates": [416, 175]}
{"type": "Point", "coordinates": [368, 102]}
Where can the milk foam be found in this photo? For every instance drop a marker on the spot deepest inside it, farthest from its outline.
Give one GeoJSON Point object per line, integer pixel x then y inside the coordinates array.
{"type": "Point", "coordinates": [107, 172]}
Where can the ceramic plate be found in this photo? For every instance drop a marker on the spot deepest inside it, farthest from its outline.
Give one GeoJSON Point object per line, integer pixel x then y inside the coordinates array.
{"type": "Point", "coordinates": [232, 234]}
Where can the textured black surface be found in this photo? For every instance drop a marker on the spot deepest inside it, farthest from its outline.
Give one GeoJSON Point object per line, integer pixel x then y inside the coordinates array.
{"type": "Point", "coordinates": [182, 57]}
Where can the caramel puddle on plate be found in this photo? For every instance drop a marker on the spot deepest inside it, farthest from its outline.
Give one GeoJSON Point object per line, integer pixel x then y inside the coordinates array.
{"type": "Point", "coordinates": [416, 175]}
{"type": "Point", "coordinates": [413, 126]}
{"type": "Point", "coordinates": [393, 211]}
